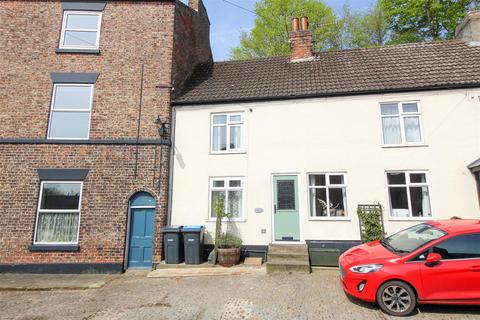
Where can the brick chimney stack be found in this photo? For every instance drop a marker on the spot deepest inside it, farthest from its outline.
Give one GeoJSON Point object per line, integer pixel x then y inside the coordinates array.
{"type": "Point", "coordinates": [301, 40]}
{"type": "Point", "coordinates": [469, 29]}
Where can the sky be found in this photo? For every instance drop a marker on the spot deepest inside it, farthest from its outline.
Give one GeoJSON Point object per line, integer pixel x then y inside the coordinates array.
{"type": "Point", "coordinates": [228, 21]}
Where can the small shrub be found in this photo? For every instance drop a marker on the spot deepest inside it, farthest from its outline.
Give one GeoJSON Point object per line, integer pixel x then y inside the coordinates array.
{"type": "Point", "coordinates": [371, 226]}
{"type": "Point", "coordinates": [228, 240]}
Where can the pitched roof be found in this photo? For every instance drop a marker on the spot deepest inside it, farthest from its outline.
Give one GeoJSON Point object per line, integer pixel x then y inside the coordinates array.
{"type": "Point", "coordinates": [474, 166]}
{"type": "Point", "coordinates": [407, 67]}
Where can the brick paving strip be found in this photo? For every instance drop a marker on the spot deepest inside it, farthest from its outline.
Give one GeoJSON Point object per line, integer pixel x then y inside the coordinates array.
{"type": "Point", "coordinates": [44, 282]}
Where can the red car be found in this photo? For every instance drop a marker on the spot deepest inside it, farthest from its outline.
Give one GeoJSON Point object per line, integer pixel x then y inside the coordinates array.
{"type": "Point", "coordinates": [437, 262]}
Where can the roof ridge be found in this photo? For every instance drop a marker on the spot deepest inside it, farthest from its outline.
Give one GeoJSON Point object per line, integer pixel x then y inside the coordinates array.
{"type": "Point", "coordinates": [319, 53]}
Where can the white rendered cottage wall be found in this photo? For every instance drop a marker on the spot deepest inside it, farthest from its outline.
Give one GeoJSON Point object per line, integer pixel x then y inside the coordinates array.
{"type": "Point", "coordinates": [339, 134]}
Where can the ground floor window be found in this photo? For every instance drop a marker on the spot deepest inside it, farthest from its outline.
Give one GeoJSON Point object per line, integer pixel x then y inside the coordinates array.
{"type": "Point", "coordinates": [327, 194]}
{"type": "Point", "coordinates": [230, 191]}
{"type": "Point", "coordinates": [58, 212]}
{"type": "Point", "coordinates": [408, 194]}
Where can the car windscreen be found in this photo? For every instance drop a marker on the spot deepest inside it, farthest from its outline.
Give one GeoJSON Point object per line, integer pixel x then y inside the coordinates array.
{"type": "Point", "coordinates": [412, 238]}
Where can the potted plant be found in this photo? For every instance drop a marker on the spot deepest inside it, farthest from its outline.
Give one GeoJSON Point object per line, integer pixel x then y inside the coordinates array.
{"type": "Point", "coordinates": [227, 246]}
{"type": "Point", "coordinates": [228, 250]}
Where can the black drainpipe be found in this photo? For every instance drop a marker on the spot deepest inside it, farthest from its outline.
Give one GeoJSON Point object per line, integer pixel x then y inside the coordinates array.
{"type": "Point", "coordinates": [138, 122]}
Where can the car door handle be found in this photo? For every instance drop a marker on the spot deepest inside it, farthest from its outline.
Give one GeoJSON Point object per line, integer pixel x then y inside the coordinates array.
{"type": "Point", "coordinates": [475, 269]}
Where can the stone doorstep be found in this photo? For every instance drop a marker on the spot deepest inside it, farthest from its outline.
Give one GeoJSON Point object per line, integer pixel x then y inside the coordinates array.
{"type": "Point", "coordinates": [205, 271]}
{"type": "Point", "coordinates": [288, 266]}
{"type": "Point", "coordinates": [288, 258]}
{"type": "Point", "coordinates": [253, 261]}
{"type": "Point", "coordinates": [183, 265]}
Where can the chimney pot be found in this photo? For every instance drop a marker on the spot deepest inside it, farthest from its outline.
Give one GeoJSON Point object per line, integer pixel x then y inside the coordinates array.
{"type": "Point", "coordinates": [301, 41]}
{"type": "Point", "coordinates": [469, 29]}
{"type": "Point", "coordinates": [195, 4]}
{"type": "Point", "coordinates": [304, 23]}
{"type": "Point", "coordinates": [295, 24]}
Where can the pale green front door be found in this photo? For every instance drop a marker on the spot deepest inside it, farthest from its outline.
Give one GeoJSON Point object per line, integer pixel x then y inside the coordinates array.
{"type": "Point", "coordinates": [285, 211]}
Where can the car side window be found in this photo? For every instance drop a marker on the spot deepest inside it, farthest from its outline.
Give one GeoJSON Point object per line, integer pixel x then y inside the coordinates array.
{"type": "Point", "coordinates": [460, 247]}
{"type": "Point", "coordinates": [421, 257]}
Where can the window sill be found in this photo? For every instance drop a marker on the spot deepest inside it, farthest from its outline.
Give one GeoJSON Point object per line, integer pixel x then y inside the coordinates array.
{"type": "Point", "coordinates": [227, 220]}
{"type": "Point", "coordinates": [386, 146]}
{"type": "Point", "coordinates": [82, 51]}
{"type": "Point", "coordinates": [329, 219]}
{"type": "Point", "coordinates": [227, 152]}
{"type": "Point", "coordinates": [410, 218]}
{"type": "Point", "coordinates": [66, 139]}
{"type": "Point", "coordinates": [53, 247]}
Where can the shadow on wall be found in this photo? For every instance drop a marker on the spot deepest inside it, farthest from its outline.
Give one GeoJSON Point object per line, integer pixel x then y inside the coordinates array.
{"type": "Point", "coordinates": [233, 229]}
{"type": "Point", "coordinates": [179, 157]}
{"type": "Point", "coordinates": [229, 227]}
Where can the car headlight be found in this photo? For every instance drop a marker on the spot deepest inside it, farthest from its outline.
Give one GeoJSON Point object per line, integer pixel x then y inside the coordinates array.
{"type": "Point", "coordinates": [366, 268]}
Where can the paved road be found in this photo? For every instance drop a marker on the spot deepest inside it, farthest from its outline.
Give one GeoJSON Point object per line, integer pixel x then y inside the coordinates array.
{"type": "Point", "coordinates": [258, 296]}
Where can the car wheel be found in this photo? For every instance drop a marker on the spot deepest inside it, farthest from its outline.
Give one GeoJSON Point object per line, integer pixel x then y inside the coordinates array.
{"type": "Point", "coordinates": [396, 298]}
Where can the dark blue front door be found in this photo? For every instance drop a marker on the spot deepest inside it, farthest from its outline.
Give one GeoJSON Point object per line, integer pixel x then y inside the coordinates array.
{"type": "Point", "coordinates": [140, 251]}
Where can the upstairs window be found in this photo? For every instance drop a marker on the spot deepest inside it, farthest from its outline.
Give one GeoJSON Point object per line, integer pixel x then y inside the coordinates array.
{"type": "Point", "coordinates": [70, 111]}
{"type": "Point", "coordinates": [408, 194]}
{"type": "Point", "coordinates": [58, 213]}
{"type": "Point", "coordinates": [401, 123]}
{"type": "Point", "coordinates": [227, 132]}
{"type": "Point", "coordinates": [80, 30]}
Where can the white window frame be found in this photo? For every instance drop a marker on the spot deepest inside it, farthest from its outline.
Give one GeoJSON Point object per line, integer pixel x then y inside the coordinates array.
{"type": "Point", "coordinates": [66, 13]}
{"type": "Point", "coordinates": [407, 185]}
{"type": "Point", "coordinates": [226, 188]}
{"type": "Point", "coordinates": [402, 115]}
{"type": "Point", "coordinates": [327, 186]}
{"type": "Point", "coordinates": [39, 210]}
{"type": "Point", "coordinates": [229, 124]}
{"type": "Point", "coordinates": [52, 110]}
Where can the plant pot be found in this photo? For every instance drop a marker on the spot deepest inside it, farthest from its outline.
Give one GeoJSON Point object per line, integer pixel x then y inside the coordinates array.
{"type": "Point", "coordinates": [228, 257]}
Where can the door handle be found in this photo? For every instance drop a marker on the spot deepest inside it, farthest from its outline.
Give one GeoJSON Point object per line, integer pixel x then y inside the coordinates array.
{"type": "Point", "coordinates": [475, 269]}
{"type": "Point", "coordinates": [274, 208]}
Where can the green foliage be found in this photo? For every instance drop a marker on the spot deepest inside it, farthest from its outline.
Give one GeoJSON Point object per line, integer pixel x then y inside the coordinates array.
{"type": "Point", "coordinates": [228, 240]}
{"type": "Point", "coordinates": [269, 36]}
{"type": "Point", "coordinates": [223, 240]}
{"type": "Point", "coordinates": [424, 20]}
{"type": "Point", "coordinates": [371, 223]}
{"type": "Point", "coordinates": [387, 21]}
{"type": "Point", "coordinates": [363, 29]}
{"type": "Point", "coordinates": [219, 209]}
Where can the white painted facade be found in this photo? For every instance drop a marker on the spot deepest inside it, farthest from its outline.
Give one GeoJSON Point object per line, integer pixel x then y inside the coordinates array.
{"type": "Point", "coordinates": [337, 134]}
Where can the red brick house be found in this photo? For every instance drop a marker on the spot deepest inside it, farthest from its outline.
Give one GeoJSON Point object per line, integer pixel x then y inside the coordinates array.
{"type": "Point", "coordinates": [85, 93]}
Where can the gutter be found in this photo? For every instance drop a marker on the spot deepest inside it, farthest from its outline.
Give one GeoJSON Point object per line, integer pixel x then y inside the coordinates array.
{"type": "Point", "coordinates": [323, 95]}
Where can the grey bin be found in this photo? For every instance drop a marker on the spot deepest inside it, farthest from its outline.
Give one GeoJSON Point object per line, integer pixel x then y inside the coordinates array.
{"type": "Point", "coordinates": [172, 245]}
{"type": "Point", "coordinates": [193, 242]}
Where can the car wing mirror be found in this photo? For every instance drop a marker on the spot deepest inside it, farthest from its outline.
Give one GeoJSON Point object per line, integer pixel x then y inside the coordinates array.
{"type": "Point", "coordinates": [433, 259]}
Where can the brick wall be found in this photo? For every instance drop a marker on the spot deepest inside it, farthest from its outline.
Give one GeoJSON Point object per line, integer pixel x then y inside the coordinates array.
{"type": "Point", "coordinates": [188, 35]}
{"type": "Point", "coordinates": [133, 33]}
{"type": "Point", "coordinates": [107, 189]}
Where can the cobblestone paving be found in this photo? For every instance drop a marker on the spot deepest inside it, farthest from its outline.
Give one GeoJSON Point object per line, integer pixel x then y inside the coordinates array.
{"type": "Point", "coordinates": [255, 297]}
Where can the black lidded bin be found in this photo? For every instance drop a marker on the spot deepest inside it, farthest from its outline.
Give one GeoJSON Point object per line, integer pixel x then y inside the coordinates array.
{"type": "Point", "coordinates": [172, 245]}
{"type": "Point", "coordinates": [193, 242]}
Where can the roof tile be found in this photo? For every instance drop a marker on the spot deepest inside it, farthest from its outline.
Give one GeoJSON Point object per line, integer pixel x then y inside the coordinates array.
{"type": "Point", "coordinates": [416, 66]}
